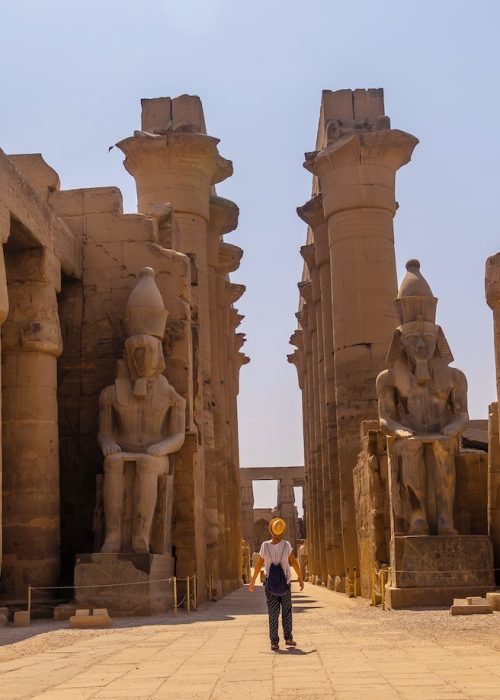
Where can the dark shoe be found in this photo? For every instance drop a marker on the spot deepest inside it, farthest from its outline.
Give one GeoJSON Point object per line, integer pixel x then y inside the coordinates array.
{"type": "Point", "coordinates": [275, 647]}
{"type": "Point", "coordinates": [290, 643]}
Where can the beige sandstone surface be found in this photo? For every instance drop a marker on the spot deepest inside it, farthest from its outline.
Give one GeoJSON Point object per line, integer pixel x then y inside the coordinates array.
{"type": "Point", "coordinates": [346, 651]}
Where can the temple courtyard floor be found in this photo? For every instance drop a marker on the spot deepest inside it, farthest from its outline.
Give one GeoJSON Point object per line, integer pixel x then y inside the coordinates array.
{"type": "Point", "coordinates": [346, 650]}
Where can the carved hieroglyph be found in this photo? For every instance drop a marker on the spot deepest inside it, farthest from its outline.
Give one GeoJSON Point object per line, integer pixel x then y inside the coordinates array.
{"type": "Point", "coordinates": [141, 419]}
{"type": "Point", "coordinates": [423, 408]}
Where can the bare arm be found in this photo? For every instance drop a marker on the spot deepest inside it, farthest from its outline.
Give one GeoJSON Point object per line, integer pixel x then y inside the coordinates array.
{"type": "Point", "coordinates": [258, 567]}
{"type": "Point", "coordinates": [386, 393]}
{"type": "Point", "coordinates": [459, 404]}
{"type": "Point", "coordinates": [105, 438]}
{"type": "Point", "coordinates": [296, 566]}
{"type": "Point", "coordinates": [176, 428]}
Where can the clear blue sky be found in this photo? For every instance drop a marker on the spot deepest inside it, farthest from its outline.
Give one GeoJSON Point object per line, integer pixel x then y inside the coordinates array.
{"type": "Point", "coordinates": [72, 75]}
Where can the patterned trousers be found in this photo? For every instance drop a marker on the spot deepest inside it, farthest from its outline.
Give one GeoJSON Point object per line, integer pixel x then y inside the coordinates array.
{"type": "Point", "coordinates": [274, 603]}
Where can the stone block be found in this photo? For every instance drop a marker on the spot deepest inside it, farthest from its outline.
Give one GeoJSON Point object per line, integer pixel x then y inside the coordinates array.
{"type": "Point", "coordinates": [156, 113]}
{"type": "Point", "coordinates": [64, 612]}
{"type": "Point", "coordinates": [147, 594]}
{"type": "Point", "coordinates": [22, 618]}
{"type": "Point", "coordinates": [433, 570]}
{"type": "Point", "coordinates": [84, 620]}
{"type": "Point", "coordinates": [440, 561]}
{"type": "Point", "coordinates": [3, 620]}
{"type": "Point", "coordinates": [461, 606]}
{"type": "Point", "coordinates": [493, 599]}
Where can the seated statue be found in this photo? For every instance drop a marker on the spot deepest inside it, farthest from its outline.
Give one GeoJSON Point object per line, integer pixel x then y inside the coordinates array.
{"type": "Point", "coordinates": [141, 418]}
{"type": "Point", "coordinates": [423, 407]}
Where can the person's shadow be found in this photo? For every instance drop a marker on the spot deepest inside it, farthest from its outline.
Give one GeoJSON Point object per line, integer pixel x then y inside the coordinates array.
{"type": "Point", "coordinates": [294, 651]}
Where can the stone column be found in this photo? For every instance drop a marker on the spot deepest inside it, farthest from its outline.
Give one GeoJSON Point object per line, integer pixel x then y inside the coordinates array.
{"type": "Point", "coordinates": [312, 214]}
{"type": "Point", "coordinates": [247, 504]}
{"type": "Point", "coordinates": [493, 300]}
{"type": "Point", "coordinates": [318, 515]}
{"type": "Point", "coordinates": [31, 345]}
{"type": "Point", "coordinates": [223, 219]}
{"type": "Point", "coordinates": [287, 510]}
{"type": "Point", "coordinates": [298, 358]}
{"type": "Point", "coordinates": [356, 173]}
{"type": "Point", "coordinates": [229, 257]}
{"type": "Point", "coordinates": [4, 310]}
{"type": "Point", "coordinates": [324, 492]}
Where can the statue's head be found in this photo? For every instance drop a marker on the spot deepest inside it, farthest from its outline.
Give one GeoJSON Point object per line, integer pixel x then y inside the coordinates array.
{"type": "Point", "coordinates": [144, 356]}
{"type": "Point", "coordinates": [418, 336]}
{"type": "Point", "coordinates": [419, 340]}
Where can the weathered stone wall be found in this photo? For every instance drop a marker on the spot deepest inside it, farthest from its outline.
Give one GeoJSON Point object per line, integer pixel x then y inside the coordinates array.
{"type": "Point", "coordinates": [71, 260]}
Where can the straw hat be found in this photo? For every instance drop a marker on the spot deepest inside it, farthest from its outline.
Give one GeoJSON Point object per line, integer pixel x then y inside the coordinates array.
{"type": "Point", "coordinates": [277, 527]}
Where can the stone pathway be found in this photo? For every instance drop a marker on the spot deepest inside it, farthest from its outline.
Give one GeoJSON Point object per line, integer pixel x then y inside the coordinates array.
{"type": "Point", "coordinates": [347, 650]}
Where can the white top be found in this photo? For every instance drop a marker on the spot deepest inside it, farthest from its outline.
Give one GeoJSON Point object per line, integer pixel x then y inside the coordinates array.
{"type": "Point", "coordinates": [277, 554]}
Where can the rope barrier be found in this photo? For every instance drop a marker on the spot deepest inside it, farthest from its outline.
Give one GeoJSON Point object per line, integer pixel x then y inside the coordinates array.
{"type": "Point", "coordinates": [191, 596]}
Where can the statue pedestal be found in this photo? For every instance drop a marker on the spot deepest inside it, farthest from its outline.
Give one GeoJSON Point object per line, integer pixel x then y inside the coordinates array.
{"type": "Point", "coordinates": [430, 571]}
{"type": "Point", "coordinates": [148, 598]}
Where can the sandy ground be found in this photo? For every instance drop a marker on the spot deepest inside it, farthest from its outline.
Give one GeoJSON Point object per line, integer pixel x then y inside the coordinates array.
{"type": "Point", "coordinates": [347, 650]}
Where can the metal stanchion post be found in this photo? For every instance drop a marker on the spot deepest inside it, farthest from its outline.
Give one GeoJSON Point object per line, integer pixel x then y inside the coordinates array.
{"type": "Point", "coordinates": [29, 601]}
{"type": "Point", "coordinates": [188, 594]}
{"type": "Point", "coordinates": [174, 586]}
{"type": "Point", "coordinates": [195, 592]}
{"type": "Point", "coordinates": [382, 587]}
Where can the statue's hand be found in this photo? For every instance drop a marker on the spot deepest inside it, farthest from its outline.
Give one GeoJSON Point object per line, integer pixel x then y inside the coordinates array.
{"type": "Point", "coordinates": [450, 430]}
{"type": "Point", "coordinates": [156, 450]}
{"type": "Point", "coordinates": [110, 448]}
{"type": "Point", "coordinates": [403, 433]}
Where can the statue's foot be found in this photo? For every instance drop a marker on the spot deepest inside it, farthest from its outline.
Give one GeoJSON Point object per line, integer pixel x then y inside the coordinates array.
{"type": "Point", "coordinates": [111, 545]}
{"type": "Point", "coordinates": [140, 545]}
{"type": "Point", "coordinates": [419, 527]}
{"type": "Point", "coordinates": [444, 528]}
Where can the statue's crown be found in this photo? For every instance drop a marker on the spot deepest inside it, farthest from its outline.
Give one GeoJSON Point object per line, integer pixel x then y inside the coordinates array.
{"type": "Point", "coordinates": [145, 311]}
{"type": "Point", "coordinates": [415, 300]}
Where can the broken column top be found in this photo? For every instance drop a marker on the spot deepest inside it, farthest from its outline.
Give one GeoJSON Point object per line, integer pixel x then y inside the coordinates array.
{"type": "Point", "coordinates": [350, 108]}
{"type": "Point", "coordinates": [163, 114]}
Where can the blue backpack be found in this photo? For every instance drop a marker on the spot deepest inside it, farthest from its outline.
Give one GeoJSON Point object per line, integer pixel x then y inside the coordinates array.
{"type": "Point", "coordinates": [276, 580]}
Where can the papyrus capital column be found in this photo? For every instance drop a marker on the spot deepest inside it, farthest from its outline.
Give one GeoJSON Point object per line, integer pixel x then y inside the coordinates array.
{"type": "Point", "coordinates": [492, 288]}
{"type": "Point", "coordinates": [359, 169]}
{"type": "Point", "coordinates": [32, 343]}
{"type": "Point", "coordinates": [356, 172]}
{"type": "Point", "coordinates": [177, 167]}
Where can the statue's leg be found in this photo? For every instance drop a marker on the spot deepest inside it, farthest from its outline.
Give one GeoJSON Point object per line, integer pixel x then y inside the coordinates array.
{"type": "Point", "coordinates": [112, 495]}
{"type": "Point", "coordinates": [148, 470]}
{"type": "Point", "coordinates": [444, 480]}
{"type": "Point", "coordinates": [414, 480]}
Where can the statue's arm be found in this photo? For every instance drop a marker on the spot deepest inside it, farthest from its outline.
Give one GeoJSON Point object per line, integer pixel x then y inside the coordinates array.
{"type": "Point", "coordinates": [175, 427]}
{"type": "Point", "coordinates": [387, 411]}
{"type": "Point", "coordinates": [458, 400]}
{"type": "Point", "coordinates": [105, 437]}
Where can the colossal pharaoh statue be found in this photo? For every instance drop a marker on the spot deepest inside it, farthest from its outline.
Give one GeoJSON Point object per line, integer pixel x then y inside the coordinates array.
{"type": "Point", "coordinates": [141, 420]}
{"type": "Point", "coordinates": [423, 408]}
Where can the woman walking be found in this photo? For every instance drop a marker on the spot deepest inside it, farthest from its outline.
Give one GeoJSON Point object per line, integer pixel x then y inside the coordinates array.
{"type": "Point", "coordinates": [276, 555]}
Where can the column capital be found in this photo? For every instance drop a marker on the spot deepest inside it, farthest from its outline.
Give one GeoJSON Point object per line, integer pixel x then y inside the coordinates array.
{"type": "Point", "coordinates": [223, 215]}
{"type": "Point", "coordinates": [309, 256]}
{"type": "Point", "coordinates": [234, 292]}
{"type": "Point", "coordinates": [177, 167]}
{"type": "Point", "coordinates": [239, 341]}
{"type": "Point", "coordinates": [297, 339]}
{"type": "Point", "coordinates": [359, 169]}
{"type": "Point", "coordinates": [492, 282]}
{"type": "Point", "coordinates": [229, 258]}
{"type": "Point", "coordinates": [33, 323]}
{"type": "Point", "coordinates": [305, 291]}
{"type": "Point", "coordinates": [312, 212]}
